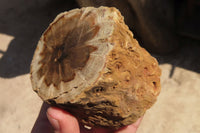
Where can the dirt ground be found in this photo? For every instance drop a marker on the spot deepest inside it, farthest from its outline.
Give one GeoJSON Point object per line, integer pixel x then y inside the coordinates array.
{"type": "Point", "coordinates": [22, 23]}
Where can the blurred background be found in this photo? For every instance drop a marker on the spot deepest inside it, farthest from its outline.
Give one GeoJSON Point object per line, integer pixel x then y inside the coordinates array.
{"type": "Point", "coordinates": [169, 30]}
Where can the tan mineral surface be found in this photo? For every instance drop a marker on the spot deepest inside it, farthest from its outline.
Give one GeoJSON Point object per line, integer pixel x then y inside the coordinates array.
{"type": "Point", "coordinates": [176, 110]}
{"type": "Point", "coordinates": [88, 63]}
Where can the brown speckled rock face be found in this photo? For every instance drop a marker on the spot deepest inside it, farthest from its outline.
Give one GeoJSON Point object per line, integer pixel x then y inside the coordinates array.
{"type": "Point", "coordinates": [88, 63]}
{"type": "Point", "coordinates": [66, 50]}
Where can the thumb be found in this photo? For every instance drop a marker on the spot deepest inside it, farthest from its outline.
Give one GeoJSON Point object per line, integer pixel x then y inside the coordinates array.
{"type": "Point", "coordinates": [62, 121]}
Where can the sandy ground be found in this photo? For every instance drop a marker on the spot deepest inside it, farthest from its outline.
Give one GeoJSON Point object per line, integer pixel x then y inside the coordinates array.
{"type": "Point", "coordinates": [21, 24]}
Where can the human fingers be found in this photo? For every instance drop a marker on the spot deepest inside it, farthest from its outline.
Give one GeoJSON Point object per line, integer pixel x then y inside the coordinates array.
{"type": "Point", "coordinates": [130, 128]}
{"type": "Point", "coordinates": [127, 129]}
{"type": "Point", "coordinates": [62, 121]}
{"type": "Point", "coordinates": [94, 130]}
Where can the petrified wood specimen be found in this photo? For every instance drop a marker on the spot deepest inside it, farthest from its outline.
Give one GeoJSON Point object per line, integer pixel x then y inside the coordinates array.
{"type": "Point", "coordinates": [88, 63]}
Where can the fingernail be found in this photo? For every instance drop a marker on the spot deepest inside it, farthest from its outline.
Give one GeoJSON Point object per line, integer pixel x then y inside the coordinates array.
{"type": "Point", "coordinates": [54, 122]}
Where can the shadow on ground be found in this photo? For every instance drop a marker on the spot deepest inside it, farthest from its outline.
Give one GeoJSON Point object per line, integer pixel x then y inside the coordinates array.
{"type": "Point", "coordinates": [187, 56]}
{"type": "Point", "coordinates": [27, 20]}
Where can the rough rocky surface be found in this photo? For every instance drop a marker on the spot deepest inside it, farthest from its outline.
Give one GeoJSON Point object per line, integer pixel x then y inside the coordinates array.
{"type": "Point", "coordinates": [88, 63]}
{"type": "Point", "coordinates": [176, 111]}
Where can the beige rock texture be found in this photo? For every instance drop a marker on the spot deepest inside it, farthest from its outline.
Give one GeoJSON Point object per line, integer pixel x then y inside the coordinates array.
{"type": "Point", "coordinates": [176, 110]}
{"type": "Point", "coordinates": [88, 63]}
